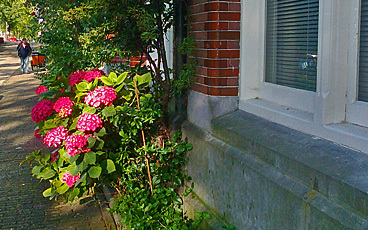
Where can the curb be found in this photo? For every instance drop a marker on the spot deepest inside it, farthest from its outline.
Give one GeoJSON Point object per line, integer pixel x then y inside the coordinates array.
{"type": "Point", "coordinates": [107, 217]}
{"type": "Point", "coordinates": [109, 193]}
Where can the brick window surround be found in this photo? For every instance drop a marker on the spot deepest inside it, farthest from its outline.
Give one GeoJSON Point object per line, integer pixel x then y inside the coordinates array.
{"type": "Point", "coordinates": [215, 25]}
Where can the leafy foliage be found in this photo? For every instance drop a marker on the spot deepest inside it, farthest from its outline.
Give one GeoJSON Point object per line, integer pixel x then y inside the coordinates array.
{"type": "Point", "coordinates": [18, 17]}
{"type": "Point", "coordinates": [84, 34]}
{"type": "Point", "coordinates": [129, 152]}
{"type": "Point", "coordinates": [132, 151]}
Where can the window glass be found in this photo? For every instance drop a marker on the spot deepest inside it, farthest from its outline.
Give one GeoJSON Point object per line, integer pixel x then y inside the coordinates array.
{"type": "Point", "coordinates": [292, 43]}
{"type": "Point", "coordinates": [363, 57]}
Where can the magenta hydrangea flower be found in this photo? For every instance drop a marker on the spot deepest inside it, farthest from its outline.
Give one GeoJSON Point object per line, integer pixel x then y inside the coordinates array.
{"type": "Point", "coordinates": [89, 122]}
{"type": "Point", "coordinates": [54, 137]}
{"type": "Point", "coordinates": [69, 179]}
{"type": "Point", "coordinates": [64, 112]}
{"type": "Point", "coordinates": [36, 134]}
{"type": "Point", "coordinates": [76, 77]}
{"type": "Point", "coordinates": [54, 156]}
{"type": "Point", "coordinates": [93, 74]}
{"type": "Point", "coordinates": [102, 95]}
{"type": "Point", "coordinates": [42, 110]}
{"type": "Point", "coordinates": [63, 106]}
{"type": "Point", "coordinates": [41, 89]}
{"type": "Point", "coordinates": [76, 143]}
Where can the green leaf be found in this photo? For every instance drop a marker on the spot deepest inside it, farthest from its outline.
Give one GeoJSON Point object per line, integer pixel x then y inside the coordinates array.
{"type": "Point", "coordinates": [48, 192]}
{"type": "Point", "coordinates": [127, 95]}
{"type": "Point", "coordinates": [181, 149]}
{"type": "Point", "coordinates": [144, 80]}
{"type": "Point", "coordinates": [63, 189]}
{"type": "Point", "coordinates": [156, 180]}
{"type": "Point", "coordinates": [74, 125]}
{"type": "Point", "coordinates": [47, 173]}
{"type": "Point", "coordinates": [91, 142]}
{"type": "Point", "coordinates": [129, 83]}
{"type": "Point", "coordinates": [113, 77]}
{"type": "Point", "coordinates": [49, 124]}
{"type": "Point", "coordinates": [90, 110]}
{"type": "Point", "coordinates": [177, 181]}
{"type": "Point", "coordinates": [49, 93]}
{"type": "Point", "coordinates": [177, 200]}
{"type": "Point", "coordinates": [81, 179]}
{"type": "Point", "coordinates": [80, 94]}
{"type": "Point", "coordinates": [118, 89]}
{"type": "Point", "coordinates": [106, 81]}
{"type": "Point", "coordinates": [189, 146]}
{"type": "Point", "coordinates": [90, 158]}
{"type": "Point", "coordinates": [74, 193]}
{"type": "Point", "coordinates": [73, 169]}
{"type": "Point", "coordinates": [83, 86]}
{"type": "Point", "coordinates": [121, 78]}
{"type": "Point", "coordinates": [36, 170]}
{"type": "Point", "coordinates": [101, 133]}
{"type": "Point", "coordinates": [65, 154]}
{"type": "Point", "coordinates": [109, 111]}
{"type": "Point", "coordinates": [101, 144]}
{"type": "Point", "coordinates": [95, 171]}
{"type": "Point", "coordinates": [89, 86]}
{"type": "Point", "coordinates": [108, 165]}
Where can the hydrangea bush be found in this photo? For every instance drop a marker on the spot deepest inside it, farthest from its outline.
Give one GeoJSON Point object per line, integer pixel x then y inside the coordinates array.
{"type": "Point", "coordinates": [106, 130]}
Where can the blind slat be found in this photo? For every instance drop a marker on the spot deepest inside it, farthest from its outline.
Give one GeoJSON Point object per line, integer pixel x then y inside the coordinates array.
{"type": "Point", "coordinates": [291, 40]}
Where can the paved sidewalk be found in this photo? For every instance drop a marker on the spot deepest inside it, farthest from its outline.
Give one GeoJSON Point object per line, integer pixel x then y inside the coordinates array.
{"type": "Point", "coordinates": [22, 205]}
{"type": "Point", "coordinates": [9, 61]}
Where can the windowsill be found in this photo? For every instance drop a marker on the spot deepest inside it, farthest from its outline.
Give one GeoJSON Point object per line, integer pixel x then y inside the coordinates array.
{"type": "Point", "coordinates": [350, 135]}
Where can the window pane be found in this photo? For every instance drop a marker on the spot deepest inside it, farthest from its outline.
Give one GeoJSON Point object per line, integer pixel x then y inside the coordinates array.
{"type": "Point", "coordinates": [292, 43]}
{"type": "Point", "coordinates": [363, 57]}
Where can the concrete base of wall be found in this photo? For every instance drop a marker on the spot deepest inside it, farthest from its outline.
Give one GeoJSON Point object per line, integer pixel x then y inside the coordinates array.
{"type": "Point", "coordinates": [255, 174]}
{"type": "Point", "coordinates": [204, 108]}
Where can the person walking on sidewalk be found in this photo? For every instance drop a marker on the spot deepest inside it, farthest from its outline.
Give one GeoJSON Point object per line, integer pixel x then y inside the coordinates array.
{"type": "Point", "coordinates": [24, 51]}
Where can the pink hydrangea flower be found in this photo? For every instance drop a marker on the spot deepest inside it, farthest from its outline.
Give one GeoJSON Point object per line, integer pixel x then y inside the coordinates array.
{"type": "Point", "coordinates": [93, 74]}
{"type": "Point", "coordinates": [89, 122]}
{"type": "Point", "coordinates": [41, 89]}
{"type": "Point", "coordinates": [69, 179]}
{"type": "Point", "coordinates": [54, 156]}
{"type": "Point", "coordinates": [42, 110]}
{"type": "Point", "coordinates": [64, 112]}
{"type": "Point", "coordinates": [76, 144]}
{"type": "Point", "coordinates": [54, 137]}
{"type": "Point", "coordinates": [102, 95]}
{"type": "Point", "coordinates": [63, 106]}
{"type": "Point", "coordinates": [36, 134]}
{"type": "Point", "coordinates": [76, 77]}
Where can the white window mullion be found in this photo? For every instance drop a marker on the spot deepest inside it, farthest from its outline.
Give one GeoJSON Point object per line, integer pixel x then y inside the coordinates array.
{"type": "Point", "coordinates": [332, 68]}
{"type": "Point", "coordinates": [252, 51]}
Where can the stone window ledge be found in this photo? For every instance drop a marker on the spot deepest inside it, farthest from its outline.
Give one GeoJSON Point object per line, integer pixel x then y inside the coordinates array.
{"type": "Point", "coordinates": [337, 173]}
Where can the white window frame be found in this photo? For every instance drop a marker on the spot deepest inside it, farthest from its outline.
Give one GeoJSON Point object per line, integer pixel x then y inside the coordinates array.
{"type": "Point", "coordinates": [322, 113]}
{"type": "Point", "coordinates": [357, 111]}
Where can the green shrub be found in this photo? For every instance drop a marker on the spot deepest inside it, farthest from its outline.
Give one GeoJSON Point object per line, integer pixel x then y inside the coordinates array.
{"type": "Point", "coordinates": [125, 146]}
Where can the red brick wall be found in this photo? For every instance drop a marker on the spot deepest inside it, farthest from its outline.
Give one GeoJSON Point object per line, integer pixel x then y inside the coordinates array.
{"type": "Point", "coordinates": [216, 27]}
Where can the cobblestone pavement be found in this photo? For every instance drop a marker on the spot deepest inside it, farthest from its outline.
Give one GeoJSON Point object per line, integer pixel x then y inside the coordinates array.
{"type": "Point", "coordinates": [22, 205]}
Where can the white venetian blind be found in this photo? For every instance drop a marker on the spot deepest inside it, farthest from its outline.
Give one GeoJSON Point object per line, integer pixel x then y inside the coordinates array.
{"type": "Point", "coordinates": [292, 43]}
